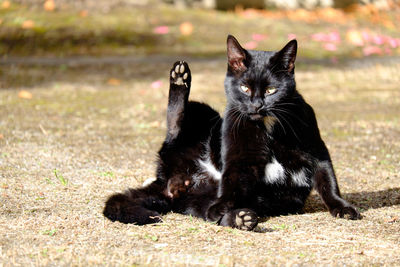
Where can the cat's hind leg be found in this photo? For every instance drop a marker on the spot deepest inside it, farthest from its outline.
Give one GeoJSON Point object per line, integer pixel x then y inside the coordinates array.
{"type": "Point", "coordinates": [180, 81]}
{"type": "Point", "coordinates": [139, 206]}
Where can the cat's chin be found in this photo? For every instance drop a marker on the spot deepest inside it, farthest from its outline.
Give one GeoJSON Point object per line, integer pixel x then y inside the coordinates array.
{"type": "Point", "coordinates": [256, 117]}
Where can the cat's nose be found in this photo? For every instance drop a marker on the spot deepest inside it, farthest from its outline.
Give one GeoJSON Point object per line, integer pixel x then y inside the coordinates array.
{"type": "Point", "coordinates": [257, 104]}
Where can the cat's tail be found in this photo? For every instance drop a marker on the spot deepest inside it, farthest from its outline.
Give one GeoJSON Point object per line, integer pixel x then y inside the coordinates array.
{"type": "Point", "coordinates": [139, 206]}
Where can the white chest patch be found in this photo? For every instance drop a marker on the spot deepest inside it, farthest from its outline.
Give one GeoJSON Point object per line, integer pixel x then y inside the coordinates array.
{"type": "Point", "coordinates": [274, 172]}
{"type": "Point", "coordinates": [148, 181]}
{"type": "Point", "coordinates": [208, 167]}
{"type": "Point", "coordinates": [300, 178]}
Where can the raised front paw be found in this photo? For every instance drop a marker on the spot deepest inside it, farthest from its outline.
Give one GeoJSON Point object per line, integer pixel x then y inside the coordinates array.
{"type": "Point", "coordinates": [244, 219]}
{"type": "Point", "coordinates": [347, 212]}
{"type": "Point", "coordinates": [180, 74]}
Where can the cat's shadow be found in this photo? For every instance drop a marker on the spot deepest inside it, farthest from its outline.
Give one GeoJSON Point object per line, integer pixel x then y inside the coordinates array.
{"type": "Point", "coordinates": [364, 200]}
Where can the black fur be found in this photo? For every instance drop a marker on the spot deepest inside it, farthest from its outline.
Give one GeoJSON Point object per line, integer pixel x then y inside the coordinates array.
{"type": "Point", "coordinates": [263, 159]}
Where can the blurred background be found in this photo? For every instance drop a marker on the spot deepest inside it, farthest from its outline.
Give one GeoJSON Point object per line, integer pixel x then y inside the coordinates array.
{"type": "Point", "coordinates": [332, 29]}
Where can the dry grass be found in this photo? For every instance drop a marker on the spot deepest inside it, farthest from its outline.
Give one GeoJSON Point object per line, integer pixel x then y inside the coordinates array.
{"type": "Point", "coordinates": [103, 138]}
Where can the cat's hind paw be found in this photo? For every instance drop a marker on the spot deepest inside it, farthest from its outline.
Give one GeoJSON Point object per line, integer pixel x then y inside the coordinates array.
{"type": "Point", "coordinates": [244, 219]}
{"type": "Point", "coordinates": [180, 74]}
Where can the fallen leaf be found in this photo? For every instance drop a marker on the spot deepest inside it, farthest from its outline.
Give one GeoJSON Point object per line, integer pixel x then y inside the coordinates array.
{"type": "Point", "coordinates": [392, 220]}
{"type": "Point", "coordinates": [332, 15]}
{"type": "Point", "coordinates": [1, 136]}
{"type": "Point", "coordinates": [113, 81]}
{"type": "Point", "coordinates": [186, 28]}
{"type": "Point", "coordinates": [5, 4]}
{"type": "Point", "coordinates": [161, 30]}
{"type": "Point", "coordinates": [49, 5]}
{"type": "Point", "coordinates": [156, 84]}
{"type": "Point", "coordinates": [28, 24]}
{"type": "Point", "coordinates": [250, 45]}
{"type": "Point", "coordinates": [83, 13]}
{"type": "Point", "coordinates": [154, 124]}
{"type": "Point", "coordinates": [25, 94]}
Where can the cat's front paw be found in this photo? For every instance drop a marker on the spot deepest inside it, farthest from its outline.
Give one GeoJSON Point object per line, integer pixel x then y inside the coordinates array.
{"type": "Point", "coordinates": [347, 212]}
{"type": "Point", "coordinates": [244, 219]}
{"type": "Point", "coordinates": [218, 209]}
{"type": "Point", "coordinates": [180, 74]}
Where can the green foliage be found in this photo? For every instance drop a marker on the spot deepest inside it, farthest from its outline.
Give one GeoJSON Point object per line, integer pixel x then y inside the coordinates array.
{"type": "Point", "coordinates": [61, 178]}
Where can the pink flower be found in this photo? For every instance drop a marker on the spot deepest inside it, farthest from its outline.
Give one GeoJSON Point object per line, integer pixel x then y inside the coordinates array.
{"type": "Point", "coordinates": [291, 36]}
{"type": "Point", "coordinates": [334, 37]}
{"type": "Point", "coordinates": [366, 36]}
{"type": "Point", "coordinates": [250, 45]}
{"type": "Point", "coordinates": [379, 39]}
{"type": "Point", "coordinates": [161, 30]}
{"type": "Point", "coordinates": [371, 50]}
{"type": "Point", "coordinates": [156, 84]}
{"type": "Point", "coordinates": [258, 37]}
{"type": "Point", "coordinates": [388, 51]}
{"type": "Point", "coordinates": [330, 47]}
{"type": "Point", "coordinates": [319, 37]}
{"type": "Point", "coordinates": [392, 42]}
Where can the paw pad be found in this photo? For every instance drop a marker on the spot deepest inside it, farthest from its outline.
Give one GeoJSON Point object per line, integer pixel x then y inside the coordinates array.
{"type": "Point", "coordinates": [246, 220]}
{"type": "Point", "coordinates": [180, 73]}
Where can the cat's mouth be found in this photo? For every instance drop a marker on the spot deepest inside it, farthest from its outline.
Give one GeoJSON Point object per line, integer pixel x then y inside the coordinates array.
{"type": "Point", "coordinates": [255, 116]}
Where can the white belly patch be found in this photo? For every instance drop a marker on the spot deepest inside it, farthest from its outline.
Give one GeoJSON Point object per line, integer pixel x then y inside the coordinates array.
{"type": "Point", "coordinates": [274, 172]}
{"type": "Point", "coordinates": [209, 168]}
{"type": "Point", "coordinates": [300, 178]}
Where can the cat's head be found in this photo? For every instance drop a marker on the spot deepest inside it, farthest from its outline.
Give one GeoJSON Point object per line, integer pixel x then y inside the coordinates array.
{"type": "Point", "coordinates": [257, 81]}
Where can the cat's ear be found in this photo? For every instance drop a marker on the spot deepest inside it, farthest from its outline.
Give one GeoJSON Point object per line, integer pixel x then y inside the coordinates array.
{"type": "Point", "coordinates": [236, 55]}
{"type": "Point", "coordinates": [287, 55]}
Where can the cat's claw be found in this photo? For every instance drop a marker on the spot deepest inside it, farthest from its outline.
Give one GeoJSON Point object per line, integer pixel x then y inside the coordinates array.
{"type": "Point", "coordinates": [180, 74]}
{"type": "Point", "coordinates": [348, 212]}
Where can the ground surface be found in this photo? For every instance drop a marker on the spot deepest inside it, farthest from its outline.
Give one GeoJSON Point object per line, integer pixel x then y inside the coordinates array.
{"type": "Point", "coordinates": [92, 130]}
{"type": "Point", "coordinates": [74, 130]}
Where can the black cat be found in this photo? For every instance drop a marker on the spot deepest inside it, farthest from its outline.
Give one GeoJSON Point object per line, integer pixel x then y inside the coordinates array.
{"type": "Point", "coordinates": [263, 159]}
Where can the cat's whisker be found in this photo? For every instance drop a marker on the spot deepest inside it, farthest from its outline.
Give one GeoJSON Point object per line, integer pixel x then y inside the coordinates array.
{"type": "Point", "coordinates": [234, 113]}
{"type": "Point", "coordinates": [237, 123]}
{"type": "Point", "coordinates": [217, 119]}
{"type": "Point", "coordinates": [281, 109]}
{"type": "Point", "coordinates": [279, 121]}
{"type": "Point", "coordinates": [290, 126]}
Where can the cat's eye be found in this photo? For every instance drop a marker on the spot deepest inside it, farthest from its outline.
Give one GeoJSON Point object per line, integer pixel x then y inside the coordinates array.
{"type": "Point", "coordinates": [270, 90]}
{"type": "Point", "coordinates": [245, 89]}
